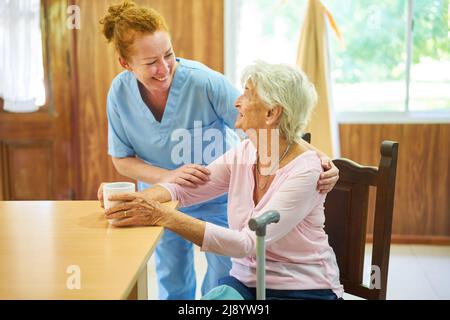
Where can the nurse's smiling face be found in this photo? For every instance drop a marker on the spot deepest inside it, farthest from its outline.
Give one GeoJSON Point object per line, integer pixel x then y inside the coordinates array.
{"type": "Point", "coordinates": [152, 61]}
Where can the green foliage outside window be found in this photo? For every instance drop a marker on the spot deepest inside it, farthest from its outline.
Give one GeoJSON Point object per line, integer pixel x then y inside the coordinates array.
{"type": "Point", "coordinates": [374, 34]}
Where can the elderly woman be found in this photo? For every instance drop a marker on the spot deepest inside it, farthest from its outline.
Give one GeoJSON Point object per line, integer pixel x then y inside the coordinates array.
{"type": "Point", "coordinates": [273, 110]}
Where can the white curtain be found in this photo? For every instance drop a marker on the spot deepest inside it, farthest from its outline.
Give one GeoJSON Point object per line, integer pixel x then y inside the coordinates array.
{"type": "Point", "coordinates": [21, 63]}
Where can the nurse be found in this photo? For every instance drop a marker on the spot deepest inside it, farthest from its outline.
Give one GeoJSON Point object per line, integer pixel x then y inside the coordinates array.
{"type": "Point", "coordinates": [164, 116]}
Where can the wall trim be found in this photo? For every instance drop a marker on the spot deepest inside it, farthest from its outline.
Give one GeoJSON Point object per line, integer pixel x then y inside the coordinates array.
{"type": "Point", "coordinates": [416, 239]}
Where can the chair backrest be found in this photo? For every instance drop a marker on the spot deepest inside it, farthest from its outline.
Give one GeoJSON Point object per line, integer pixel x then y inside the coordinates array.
{"type": "Point", "coordinates": [346, 208]}
{"type": "Point", "coordinates": [307, 137]}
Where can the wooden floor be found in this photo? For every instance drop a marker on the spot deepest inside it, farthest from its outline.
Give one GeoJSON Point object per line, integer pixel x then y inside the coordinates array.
{"type": "Point", "coordinates": [415, 272]}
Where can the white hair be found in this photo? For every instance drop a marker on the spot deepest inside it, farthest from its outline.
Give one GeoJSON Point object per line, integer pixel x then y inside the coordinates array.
{"type": "Point", "coordinates": [286, 86]}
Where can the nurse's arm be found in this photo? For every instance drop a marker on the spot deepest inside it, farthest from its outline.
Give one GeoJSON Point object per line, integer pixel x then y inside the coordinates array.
{"type": "Point", "coordinates": [189, 175]}
{"type": "Point", "coordinates": [137, 169]}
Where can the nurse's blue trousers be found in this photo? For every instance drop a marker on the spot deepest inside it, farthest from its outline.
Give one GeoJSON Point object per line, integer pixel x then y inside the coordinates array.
{"type": "Point", "coordinates": [175, 265]}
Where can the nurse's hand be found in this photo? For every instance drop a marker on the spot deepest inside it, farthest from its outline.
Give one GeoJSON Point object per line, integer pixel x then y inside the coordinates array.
{"type": "Point", "coordinates": [329, 177]}
{"type": "Point", "coordinates": [189, 175]}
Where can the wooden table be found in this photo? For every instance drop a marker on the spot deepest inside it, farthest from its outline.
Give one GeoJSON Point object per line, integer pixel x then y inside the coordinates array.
{"type": "Point", "coordinates": [50, 248]}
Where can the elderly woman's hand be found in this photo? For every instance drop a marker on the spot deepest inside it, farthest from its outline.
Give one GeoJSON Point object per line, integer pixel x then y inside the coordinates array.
{"type": "Point", "coordinates": [329, 177]}
{"type": "Point", "coordinates": [138, 209]}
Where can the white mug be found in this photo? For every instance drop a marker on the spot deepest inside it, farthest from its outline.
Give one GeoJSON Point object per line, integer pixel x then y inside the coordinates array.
{"type": "Point", "coordinates": [114, 188]}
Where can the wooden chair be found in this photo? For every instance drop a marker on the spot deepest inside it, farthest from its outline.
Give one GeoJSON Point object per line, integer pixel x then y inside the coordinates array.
{"type": "Point", "coordinates": [346, 208]}
{"type": "Point", "coordinates": [307, 137]}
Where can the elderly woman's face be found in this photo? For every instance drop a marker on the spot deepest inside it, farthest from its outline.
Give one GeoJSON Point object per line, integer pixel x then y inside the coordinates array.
{"type": "Point", "coordinates": [251, 110]}
{"type": "Point", "coordinates": [153, 60]}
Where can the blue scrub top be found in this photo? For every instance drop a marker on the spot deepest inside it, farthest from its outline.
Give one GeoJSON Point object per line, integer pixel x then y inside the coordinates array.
{"type": "Point", "coordinates": [196, 126]}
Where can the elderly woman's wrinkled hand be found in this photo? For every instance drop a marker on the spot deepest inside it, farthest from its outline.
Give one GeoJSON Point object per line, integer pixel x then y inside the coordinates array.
{"type": "Point", "coordinates": [138, 209]}
{"type": "Point", "coordinates": [329, 177]}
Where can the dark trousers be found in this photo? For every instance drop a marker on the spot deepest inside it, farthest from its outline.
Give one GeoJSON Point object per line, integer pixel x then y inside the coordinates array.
{"type": "Point", "coordinates": [271, 294]}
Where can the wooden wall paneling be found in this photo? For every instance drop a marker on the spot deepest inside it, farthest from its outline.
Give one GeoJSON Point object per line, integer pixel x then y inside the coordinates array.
{"type": "Point", "coordinates": [58, 51]}
{"type": "Point", "coordinates": [441, 168]}
{"type": "Point", "coordinates": [197, 33]}
{"type": "Point", "coordinates": [439, 159]}
{"type": "Point", "coordinates": [29, 170]}
{"type": "Point", "coordinates": [196, 27]}
{"type": "Point", "coordinates": [97, 65]}
{"type": "Point", "coordinates": [422, 202]}
{"type": "Point", "coordinates": [3, 174]}
{"type": "Point", "coordinates": [74, 117]}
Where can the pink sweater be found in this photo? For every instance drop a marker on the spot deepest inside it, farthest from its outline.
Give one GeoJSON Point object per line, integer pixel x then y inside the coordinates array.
{"type": "Point", "coordinates": [298, 256]}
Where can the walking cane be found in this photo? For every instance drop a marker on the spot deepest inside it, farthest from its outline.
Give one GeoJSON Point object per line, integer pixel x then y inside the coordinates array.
{"type": "Point", "coordinates": [259, 225]}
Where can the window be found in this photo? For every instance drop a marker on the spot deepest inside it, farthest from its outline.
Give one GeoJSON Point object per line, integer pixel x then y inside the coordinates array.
{"type": "Point", "coordinates": [395, 57]}
{"type": "Point", "coordinates": [430, 69]}
{"type": "Point", "coordinates": [268, 30]}
{"type": "Point", "coordinates": [21, 58]}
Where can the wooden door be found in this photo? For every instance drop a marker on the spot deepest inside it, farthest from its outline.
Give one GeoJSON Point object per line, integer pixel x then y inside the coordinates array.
{"type": "Point", "coordinates": [35, 148]}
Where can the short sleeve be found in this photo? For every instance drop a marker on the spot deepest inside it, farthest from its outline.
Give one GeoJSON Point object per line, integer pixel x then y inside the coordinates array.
{"type": "Point", "coordinates": [118, 143]}
{"type": "Point", "coordinates": [222, 95]}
